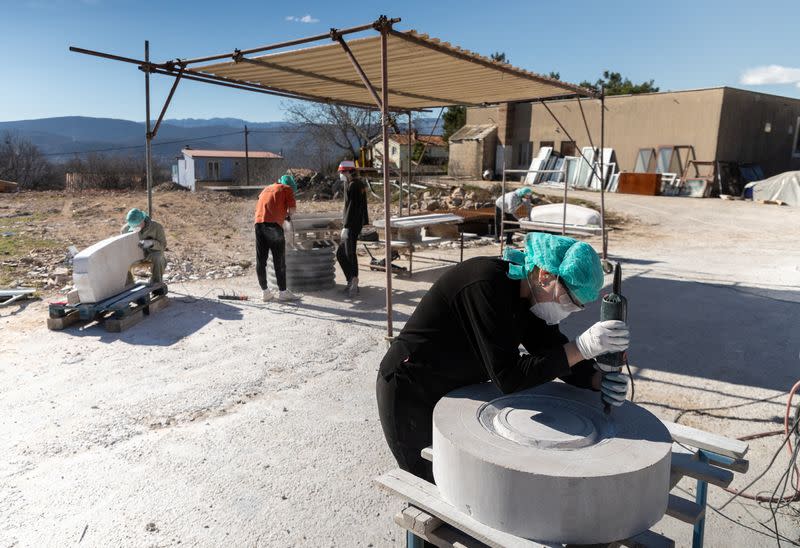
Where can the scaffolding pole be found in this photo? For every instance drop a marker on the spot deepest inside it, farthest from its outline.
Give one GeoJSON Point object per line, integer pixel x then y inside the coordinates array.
{"type": "Point", "coordinates": [602, 178]}
{"type": "Point", "coordinates": [409, 153]}
{"type": "Point", "coordinates": [148, 135]}
{"type": "Point", "coordinates": [384, 29]}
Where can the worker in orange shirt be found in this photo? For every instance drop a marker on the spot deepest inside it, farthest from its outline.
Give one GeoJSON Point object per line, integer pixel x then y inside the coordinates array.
{"type": "Point", "coordinates": [276, 204]}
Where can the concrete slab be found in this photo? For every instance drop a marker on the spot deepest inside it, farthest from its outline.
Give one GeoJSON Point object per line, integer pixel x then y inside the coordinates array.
{"type": "Point", "coordinates": [547, 464]}
{"type": "Point", "coordinates": [101, 270]}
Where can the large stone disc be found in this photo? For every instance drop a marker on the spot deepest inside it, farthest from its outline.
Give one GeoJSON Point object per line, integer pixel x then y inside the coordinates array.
{"type": "Point", "coordinates": [547, 464]}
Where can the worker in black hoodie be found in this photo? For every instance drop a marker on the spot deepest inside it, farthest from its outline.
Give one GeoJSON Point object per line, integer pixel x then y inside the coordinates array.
{"type": "Point", "coordinates": [355, 217]}
{"type": "Point", "coordinates": [468, 327]}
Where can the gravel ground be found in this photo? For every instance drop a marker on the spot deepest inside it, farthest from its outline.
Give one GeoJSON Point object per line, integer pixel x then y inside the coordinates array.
{"type": "Point", "coordinates": [247, 424]}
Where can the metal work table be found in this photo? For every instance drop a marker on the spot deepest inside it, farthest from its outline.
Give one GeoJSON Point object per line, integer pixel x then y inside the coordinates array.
{"type": "Point", "coordinates": [413, 225]}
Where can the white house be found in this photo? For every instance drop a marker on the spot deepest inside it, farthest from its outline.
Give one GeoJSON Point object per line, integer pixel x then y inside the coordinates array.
{"type": "Point", "coordinates": [435, 149]}
{"type": "Point", "coordinates": [198, 168]}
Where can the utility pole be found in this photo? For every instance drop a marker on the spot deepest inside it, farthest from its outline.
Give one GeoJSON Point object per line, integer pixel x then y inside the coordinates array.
{"type": "Point", "coordinates": [246, 158]}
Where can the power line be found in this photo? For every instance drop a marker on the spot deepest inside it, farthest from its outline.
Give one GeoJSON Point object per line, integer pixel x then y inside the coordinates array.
{"type": "Point", "coordinates": [112, 149]}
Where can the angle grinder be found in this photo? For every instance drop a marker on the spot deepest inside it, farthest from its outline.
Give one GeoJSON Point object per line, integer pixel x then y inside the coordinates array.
{"type": "Point", "coordinates": [613, 307]}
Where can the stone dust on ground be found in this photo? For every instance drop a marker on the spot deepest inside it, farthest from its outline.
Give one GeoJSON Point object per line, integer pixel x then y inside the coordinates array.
{"type": "Point", "coordinates": [254, 424]}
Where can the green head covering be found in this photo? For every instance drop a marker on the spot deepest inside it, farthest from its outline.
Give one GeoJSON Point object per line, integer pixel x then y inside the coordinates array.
{"type": "Point", "coordinates": [288, 180]}
{"type": "Point", "coordinates": [524, 191]}
{"type": "Point", "coordinates": [574, 262]}
{"type": "Point", "coordinates": [135, 217]}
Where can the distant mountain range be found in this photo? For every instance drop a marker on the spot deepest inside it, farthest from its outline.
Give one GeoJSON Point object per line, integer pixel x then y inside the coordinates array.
{"type": "Point", "coordinates": [60, 138]}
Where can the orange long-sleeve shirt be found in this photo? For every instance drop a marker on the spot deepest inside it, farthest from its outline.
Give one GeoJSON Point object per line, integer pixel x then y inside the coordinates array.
{"type": "Point", "coordinates": [273, 203]}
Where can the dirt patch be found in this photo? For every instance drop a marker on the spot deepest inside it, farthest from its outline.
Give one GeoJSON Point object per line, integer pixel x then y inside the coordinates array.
{"type": "Point", "coordinates": [209, 234]}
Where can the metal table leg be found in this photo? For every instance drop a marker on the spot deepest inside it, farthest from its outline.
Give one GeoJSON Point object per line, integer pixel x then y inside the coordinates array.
{"type": "Point", "coordinates": [413, 541]}
{"type": "Point", "coordinates": [701, 498]}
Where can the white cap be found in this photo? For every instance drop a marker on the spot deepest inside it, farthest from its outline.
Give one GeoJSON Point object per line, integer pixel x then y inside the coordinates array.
{"type": "Point", "coordinates": [347, 165]}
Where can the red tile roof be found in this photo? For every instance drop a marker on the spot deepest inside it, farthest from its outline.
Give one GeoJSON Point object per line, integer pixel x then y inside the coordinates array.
{"type": "Point", "coordinates": [432, 140]}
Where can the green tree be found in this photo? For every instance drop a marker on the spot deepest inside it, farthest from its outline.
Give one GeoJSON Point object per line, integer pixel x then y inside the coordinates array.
{"type": "Point", "coordinates": [615, 84]}
{"type": "Point", "coordinates": [454, 119]}
{"type": "Point", "coordinates": [554, 75]}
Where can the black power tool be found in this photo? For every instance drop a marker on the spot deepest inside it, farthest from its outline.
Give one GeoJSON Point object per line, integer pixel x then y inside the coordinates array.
{"type": "Point", "coordinates": [614, 307]}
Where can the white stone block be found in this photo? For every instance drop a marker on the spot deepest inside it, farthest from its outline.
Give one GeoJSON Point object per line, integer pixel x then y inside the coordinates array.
{"type": "Point", "coordinates": [576, 215]}
{"type": "Point", "coordinates": [101, 270]}
{"type": "Point", "coordinates": [548, 465]}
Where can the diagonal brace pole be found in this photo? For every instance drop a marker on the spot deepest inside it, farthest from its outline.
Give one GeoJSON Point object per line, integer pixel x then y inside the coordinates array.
{"type": "Point", "coordinates": [166, 103]}
{"type": "Point", "coordinates": [356, 65]}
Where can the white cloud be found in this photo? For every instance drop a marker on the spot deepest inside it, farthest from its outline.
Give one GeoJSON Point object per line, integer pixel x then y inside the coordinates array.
{"type": "Point", "coordinates": [771, 74]}
{"type": "Point", "coordinates": [304, 19]}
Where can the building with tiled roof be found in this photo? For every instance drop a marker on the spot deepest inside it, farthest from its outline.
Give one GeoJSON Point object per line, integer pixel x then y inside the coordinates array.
{"type": "Point", "coordinates": [400, 145]}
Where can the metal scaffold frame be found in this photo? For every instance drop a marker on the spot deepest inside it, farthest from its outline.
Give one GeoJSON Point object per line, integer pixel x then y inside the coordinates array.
{"type": "Point", "coordinates": [496, 82]}
{"type": "Point", "coordinates": [595, 167]}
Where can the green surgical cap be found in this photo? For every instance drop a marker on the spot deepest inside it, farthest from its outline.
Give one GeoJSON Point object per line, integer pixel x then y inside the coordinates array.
{"type": "Point", "coordinates": [575, 263]}
{"type": "Point", "coordinates": [523, 191]}
{"type": "Point", "coordinates": [135, 217]}
{"type": "Point", "coordinates": [288, 180]}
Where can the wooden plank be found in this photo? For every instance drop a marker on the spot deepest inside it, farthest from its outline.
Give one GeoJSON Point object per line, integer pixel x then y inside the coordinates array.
{"type": "Point", "coordinates": [685, 465]}
{"type": "Point", "coordinates": [735, 465]}
{"type": "Point", "coordinates": [421, 522]}
{"type": "Point", "coordinates": [648, 539]}
{"type": "Point", "coordinates": [8, 186]}
{"type": "Point", "coordinates": [705, 440]}
{"type": "Point", "coordinates": [685, 510]}
{"type": "Point", "coordinates": [445, 536]}
{"type": "Point", "coordinates": [158, 303]}
{"type": "Point", "coordinates": [427, 454]}
{"type": "Point", "coordinates": [57, 324]}
{"type": "Point", "coordinates": [426, 496]}
{"type": "Point", "coordinates": [117, 325]}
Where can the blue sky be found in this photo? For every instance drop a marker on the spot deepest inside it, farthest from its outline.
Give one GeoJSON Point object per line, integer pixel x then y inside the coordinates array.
{"type": "Point", "coordinates": [680, 44]}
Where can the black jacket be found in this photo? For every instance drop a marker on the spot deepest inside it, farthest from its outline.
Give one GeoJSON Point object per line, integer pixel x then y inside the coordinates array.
{"type": "Point", "coordinates": [467, 329]}
{"type": "Point", "coordinates": [356, 214]}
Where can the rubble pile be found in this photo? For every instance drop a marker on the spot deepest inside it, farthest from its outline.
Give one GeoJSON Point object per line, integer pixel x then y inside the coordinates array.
{"type": "Point", "coordinates": [454, 198]}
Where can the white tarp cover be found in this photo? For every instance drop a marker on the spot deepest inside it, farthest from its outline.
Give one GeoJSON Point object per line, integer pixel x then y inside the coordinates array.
{"type": "Point", "coordinates": [784, 187]}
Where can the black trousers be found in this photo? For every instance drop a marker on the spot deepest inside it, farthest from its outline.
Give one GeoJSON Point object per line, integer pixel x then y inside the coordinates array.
{"type": "Point", "coordinates": [498, 228]}
{"type": "Point", "coordinates": [346, 254]}
{"type": "Point", "coordinates": [270, 239]}
{"type": "Point", "coordinates": [406, 414]}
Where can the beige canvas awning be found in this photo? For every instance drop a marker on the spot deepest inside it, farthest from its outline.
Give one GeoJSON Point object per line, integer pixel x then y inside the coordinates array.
{"type": "Point", "coordinates": [423, 72]}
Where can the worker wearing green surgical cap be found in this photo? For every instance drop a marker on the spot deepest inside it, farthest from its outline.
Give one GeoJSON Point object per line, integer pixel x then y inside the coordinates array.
{"type": "Point", "coordinates": [288, 180]}
{"type": "Point", "coordinates": [505, 208]}
{"type": "Point", "coordinates": [468, 328]}
{"type": "Point", "coordinates": [152, 240]}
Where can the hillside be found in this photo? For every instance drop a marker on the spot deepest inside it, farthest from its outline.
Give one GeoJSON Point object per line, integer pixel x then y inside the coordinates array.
{"type": "Point", "coordinates": [61, 137]}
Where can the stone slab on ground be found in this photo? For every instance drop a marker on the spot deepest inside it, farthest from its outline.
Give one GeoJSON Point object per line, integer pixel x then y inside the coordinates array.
{"type": "Point", "coordinates": [101, 270]}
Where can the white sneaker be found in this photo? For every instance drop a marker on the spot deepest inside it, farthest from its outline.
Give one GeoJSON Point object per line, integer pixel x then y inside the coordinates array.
{"type": "Point", "coordinates": [287, 295]}
{"type": "Point", "coordinates": [267, 295]}
{"type": "Point", "coordinates": [352, 289]}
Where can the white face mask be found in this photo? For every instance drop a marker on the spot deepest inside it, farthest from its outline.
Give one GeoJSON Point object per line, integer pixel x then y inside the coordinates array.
{"type": "Point", "coordinates": [552, 313]}
{"type": "Point", "coordinates": [343, 178]}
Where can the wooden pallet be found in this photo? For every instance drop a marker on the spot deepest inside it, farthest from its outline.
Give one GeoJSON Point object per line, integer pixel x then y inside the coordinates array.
{"type": "Point", "coordinates": [117, 313]}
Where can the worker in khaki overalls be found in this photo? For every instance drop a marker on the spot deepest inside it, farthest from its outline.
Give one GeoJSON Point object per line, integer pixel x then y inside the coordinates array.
{"type": "Point", "coordinates": [468, 327]}
{"type": "Point", "coordinates": [151, 239]}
